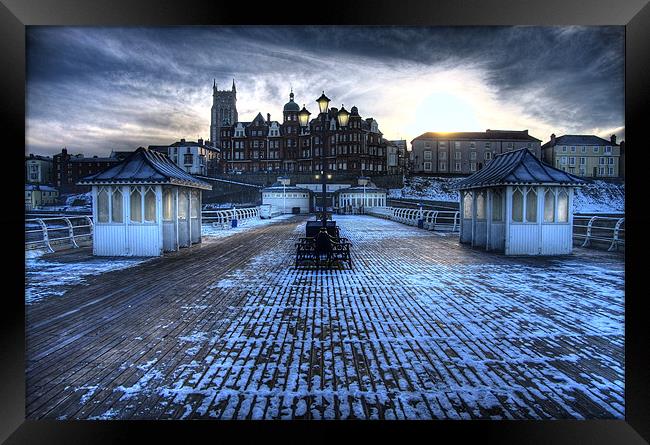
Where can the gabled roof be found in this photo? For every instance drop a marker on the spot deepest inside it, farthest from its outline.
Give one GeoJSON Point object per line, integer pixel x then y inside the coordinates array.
{"type": "Point", "coordinates": [517, 167]}
{"type": "Point", "coordinates": [498, 135]}
{"type": "Point", "coordinates": [579, 139]}
{"type": "Point", "coordinates": [145, 166]}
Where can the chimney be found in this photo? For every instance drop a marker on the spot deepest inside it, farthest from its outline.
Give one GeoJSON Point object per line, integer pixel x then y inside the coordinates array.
{"type": "Point", "coordinates": [64, 151]}
{"type": "Point", "coordinates": [613, 139]}
{"type": "Point", "coordinates": [182, 140]}
{"type": "Point", "coordinates": [200, 141]}
{"type": "Point", "coordinates": [268, 118]}
{"type": "Point", "coordinates": [553, 139]}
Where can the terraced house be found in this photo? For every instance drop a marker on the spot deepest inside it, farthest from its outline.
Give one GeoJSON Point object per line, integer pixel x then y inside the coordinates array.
{"type": "Point", "coordinates": [265, 145]}
{"type": "Point", "coordinates": [462, 153]}
{"type": "Point", "coordinates": [583, 155]}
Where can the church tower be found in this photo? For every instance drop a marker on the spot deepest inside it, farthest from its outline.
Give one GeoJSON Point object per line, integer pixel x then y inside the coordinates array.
{"type": "Point", "coordinates": [224, 111]}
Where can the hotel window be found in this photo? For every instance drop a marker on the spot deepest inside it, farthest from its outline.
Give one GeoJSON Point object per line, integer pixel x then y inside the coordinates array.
{"type": "Point", "coordinates": [601, 171]}
{"type": "Point", "coordinates": [472, 166]}
{"type": "Point", "coordinates": [488, 155]}
{"type": "Point", "coordinates": [427, 145]}
{"type": "Point", "coordinates": [457, 166]}
{"type": "Point", "coordinates": [442, 144]}
{"type": "Point", "coordinates": [572, 161]}
{"type": "Point", "coordinates": [457, 144]}
{"type": "Point", "coordinates": [487, 145]}
{"type": "Point", "coordinates": [610, 161]}
{"type": "Point", "coordinates": [564, 149]}
{"type": "Point", "coordinates": [442, 155]}
{"type": "Point", "coordinates": [608, 149]}
{"type": "Point", "coordinates": [443, 166]}
{"type": "Point", "coordinates": [472, 145]}
{"type": "Point", "coordinates": [472, 155]}
{"type": "Point", "coordinates": [583, 161]}
{"type": "Point", "coordinates": [582, 171]}
{"type": "Point", "coordinates": [602, 161]}
{"type": "Point", "coordinates": [563, 160]}
{"type": "Point", "coordinates": [583, 149]}
{"type": "Point", "coordinates": [573, 149]}
{"type": "Point", "coordinates": [427, 166]}
{"type": "Point", "coordinates": [457, 155]}
{"type": "Point", "coordinates": [611, 171]}
{"type": "Point", "coordinates": [427, 155]}
{"type": "Point", "coordinates": [595, 149]}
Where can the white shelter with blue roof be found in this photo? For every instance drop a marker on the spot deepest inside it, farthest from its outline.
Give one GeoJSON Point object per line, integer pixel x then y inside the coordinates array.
{"type": "Point", "coordinates": [144, 206]}
{"type": "Point", "coordinates": [518, 205]}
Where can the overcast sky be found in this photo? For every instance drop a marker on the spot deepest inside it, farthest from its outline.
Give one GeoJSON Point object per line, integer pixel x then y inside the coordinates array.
{"type": "Point", "coordinates": [101, 88]}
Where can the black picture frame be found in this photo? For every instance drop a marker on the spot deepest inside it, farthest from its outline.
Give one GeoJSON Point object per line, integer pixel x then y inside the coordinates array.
{"type": "Point", "coordinates": [16, 14]}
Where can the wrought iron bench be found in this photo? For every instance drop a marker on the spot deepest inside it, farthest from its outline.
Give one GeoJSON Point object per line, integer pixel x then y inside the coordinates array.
{"type": "Point", "coordinates": [323, 250]}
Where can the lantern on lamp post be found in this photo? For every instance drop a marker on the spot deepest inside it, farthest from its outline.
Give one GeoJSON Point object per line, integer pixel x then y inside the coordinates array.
{"type": "Point", "coordinates": [342, 118]}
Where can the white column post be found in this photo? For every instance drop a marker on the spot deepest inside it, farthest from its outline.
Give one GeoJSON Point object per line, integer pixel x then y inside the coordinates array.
{"type": "Point", "coordinates": [488, 217]}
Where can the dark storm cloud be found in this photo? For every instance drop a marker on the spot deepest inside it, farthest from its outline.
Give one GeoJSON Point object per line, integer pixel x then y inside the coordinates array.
{"type": "Point", "coordinates": [96, 88]}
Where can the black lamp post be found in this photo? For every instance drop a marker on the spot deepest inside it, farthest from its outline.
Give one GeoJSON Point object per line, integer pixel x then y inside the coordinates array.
{"type": "Point", "coordinates": [342, 117]}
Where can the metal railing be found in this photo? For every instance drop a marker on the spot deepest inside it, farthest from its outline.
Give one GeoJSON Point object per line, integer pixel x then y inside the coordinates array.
{"type": "Point", "coordinates": [442, 220]}
{"type": "Point", "coordinates": [43, 232]}
{"type": "Point", "coordinates": [224, 218]}
{"type": "Point", "coordinates": [604, 229]}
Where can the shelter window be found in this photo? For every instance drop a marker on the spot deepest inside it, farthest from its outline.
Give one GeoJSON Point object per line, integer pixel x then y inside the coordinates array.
{"type": "Point", "coordinates": [150, 205]}
{"type": "Point", "coordinates": [182, 204]}
{"type": "Point", "coordinates": [497, 205]}
{"type": "Point", "coordinates": [117, 210]}
{"type": "Point", "coordinates": [167, 205]}
{"type": "Point", "coordinates": [563, 207]}
{"type": "Point", "coordinates": [195, 203]}
{"type": "Point", "coordinates": [480, 205]}
{"type": "Point", "coordinates": [136, 204]}
{"type": "Point", "coordinates": [531, 205]}
{"type": "Point", "coordinates": [467, 205]}
{"type": "Point", "coordinates": [549, 206]}
{"type": "Point", "coordinates": [102, 205]}
{"type": "Point", "coordinates": [517, 205]}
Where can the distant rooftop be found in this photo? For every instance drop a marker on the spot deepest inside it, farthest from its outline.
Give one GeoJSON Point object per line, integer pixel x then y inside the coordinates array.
{"type": "Point", "coordinates": [579, 139]}
{"type": "Point", "coordinates": [145, 166]}
{"type": "Point", "coordinates": [472, 135]}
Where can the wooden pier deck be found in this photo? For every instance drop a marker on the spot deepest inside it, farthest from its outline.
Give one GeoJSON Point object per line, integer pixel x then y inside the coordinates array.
{"type": "Point", "coordinates": [420, 328]}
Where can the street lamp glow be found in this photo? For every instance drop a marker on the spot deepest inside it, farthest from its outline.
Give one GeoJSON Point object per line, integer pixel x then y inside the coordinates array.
{"type": "Point", "coordinates": [303, 116]}
{"type": "Point", "coordinates": [343, 116]}
{"type": "Point", "coordinates": [323, 102]}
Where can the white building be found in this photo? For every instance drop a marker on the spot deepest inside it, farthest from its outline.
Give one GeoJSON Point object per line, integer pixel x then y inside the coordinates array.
{"type": "Point", "coordinates": [518, 205]}
{"type": "Point", "coordinates": [196, 158]}
{"type": "Point", "coordinates": [144, 206]}
{"type": "Point", "coordinates": [285, 197]}
{"type": "Point", "coordinates": [360, 197]}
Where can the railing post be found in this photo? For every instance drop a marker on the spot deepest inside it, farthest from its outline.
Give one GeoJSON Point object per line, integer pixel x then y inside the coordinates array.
{"type": "Point", "coordinates": [46, 237]}
{"type": "Point", "coordinates": [456, 214]}
{"type": "Point", "coordinates": [589, 224]}
{"type": "Point", "coordinates": [71, 232]}
{"type": "Point", "coordinates": [617, 228]}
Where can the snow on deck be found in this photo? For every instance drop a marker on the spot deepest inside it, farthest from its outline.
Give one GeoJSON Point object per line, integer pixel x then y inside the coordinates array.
{"type": "Point", "coordinates": [421, 328]}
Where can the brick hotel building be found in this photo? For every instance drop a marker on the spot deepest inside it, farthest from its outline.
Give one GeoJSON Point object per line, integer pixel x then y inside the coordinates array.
{"type": "Point", "coordinates": [264, 145]}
